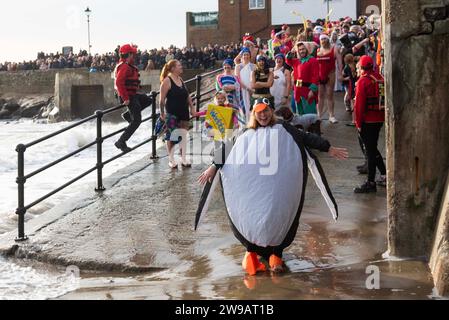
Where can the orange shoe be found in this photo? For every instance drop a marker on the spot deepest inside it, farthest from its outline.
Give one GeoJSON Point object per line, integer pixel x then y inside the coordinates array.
{"type": "Point", "coordinates": [276, 264]}
{"type": "Point", "coordinates": [250, 282]}
{"type": "Point", "coordinates": [251, 264]}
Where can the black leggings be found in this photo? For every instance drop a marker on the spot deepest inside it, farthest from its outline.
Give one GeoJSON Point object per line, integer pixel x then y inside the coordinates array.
{"type": "Point", "coordinates": [370, 136]}
{"type": "Point", "coordinates": [137, 103]}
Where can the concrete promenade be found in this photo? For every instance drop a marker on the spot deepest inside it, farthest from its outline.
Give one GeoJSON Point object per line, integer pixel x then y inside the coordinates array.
{"type": "Point", "coordinates": [143, 223]}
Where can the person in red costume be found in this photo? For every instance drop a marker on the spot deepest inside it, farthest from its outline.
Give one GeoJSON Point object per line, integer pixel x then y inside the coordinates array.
{"type": "Point", "coordinates": [305, 76]}
{"type": "Point", "coordinates": [287, 40]}
{"type": "Point", "coordinates": [369, 118]}
{"type": "Point", "coordinates": [127, 85]}
{"type": "Point", "coordinates": [327, 57]}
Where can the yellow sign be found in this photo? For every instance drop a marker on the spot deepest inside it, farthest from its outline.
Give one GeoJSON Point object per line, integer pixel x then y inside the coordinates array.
{"type": "Point", "coordinates": [220, 119]}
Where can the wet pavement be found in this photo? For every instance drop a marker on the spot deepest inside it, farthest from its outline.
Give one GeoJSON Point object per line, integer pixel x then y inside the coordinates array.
{"type": "Point", "coordinates": [139, 238]}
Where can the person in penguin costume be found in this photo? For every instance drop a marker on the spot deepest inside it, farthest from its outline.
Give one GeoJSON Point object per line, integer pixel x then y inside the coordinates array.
{"type": "Point", "coordinates": [264, 177]}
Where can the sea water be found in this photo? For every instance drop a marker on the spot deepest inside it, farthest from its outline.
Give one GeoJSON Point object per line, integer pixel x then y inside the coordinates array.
{"type": "Point", "coordinates": [17, 282]}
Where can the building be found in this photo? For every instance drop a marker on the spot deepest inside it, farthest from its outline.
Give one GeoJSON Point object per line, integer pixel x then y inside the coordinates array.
{"type": "Point", "coordinates": [258, 17]}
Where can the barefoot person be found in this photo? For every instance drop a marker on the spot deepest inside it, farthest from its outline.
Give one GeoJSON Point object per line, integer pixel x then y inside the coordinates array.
{"type": "Point", "coordinates": [175, 102]}
{"type": "Point", "coordinates": [243, 71]}
{"type": "Point", "coordinates": [327, 57]}
{"type": "Point", "coordinates": [264, 201]}
{"type": "Point", "coordinates": [282, 82]}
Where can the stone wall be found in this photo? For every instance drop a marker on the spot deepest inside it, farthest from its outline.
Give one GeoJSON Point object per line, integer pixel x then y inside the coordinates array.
{"type": "Point", "coordinates": [417, 77]}
{"type": "Point", "coordinates": [28, 82]}
{"type": "Point", "coordinates": [66, 81]}
{"type": "Point", "coordinates": [17, 86]}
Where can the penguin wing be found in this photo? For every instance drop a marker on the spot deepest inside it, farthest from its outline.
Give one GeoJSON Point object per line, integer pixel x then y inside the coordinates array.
{"type": "Point", "coordinates": [320, 179]}
{"type": "Point", "coordinates": [206, 197]}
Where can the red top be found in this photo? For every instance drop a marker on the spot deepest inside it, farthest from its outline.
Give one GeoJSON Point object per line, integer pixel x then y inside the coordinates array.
{"type": "Point", "coordinates": [367, 89]}
{"type": "Point", "coordinates": [126, 80]}
{"type": "Point", "coordinates": [327, 64]}
{"type": "Point", "coordinates": [305, 70]}
{"type": "Point", "coordinates": [288, 46]}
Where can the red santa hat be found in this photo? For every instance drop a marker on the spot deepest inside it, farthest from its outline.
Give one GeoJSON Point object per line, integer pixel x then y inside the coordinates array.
{"type": "Point", "coordinates": [248, 38]}
{"type": "Point", "coordinates": [348, 20]}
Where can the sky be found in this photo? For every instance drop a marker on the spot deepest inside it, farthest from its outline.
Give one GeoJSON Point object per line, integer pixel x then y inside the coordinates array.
{"type": "Point", "coordinates": [28, 27]}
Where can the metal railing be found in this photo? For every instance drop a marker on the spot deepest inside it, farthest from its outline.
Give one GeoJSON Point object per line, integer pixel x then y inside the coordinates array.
{"type": "Point", "coordinates": [22, 178]}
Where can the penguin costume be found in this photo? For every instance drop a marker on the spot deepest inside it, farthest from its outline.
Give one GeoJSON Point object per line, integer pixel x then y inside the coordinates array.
{"type": "Point", "coordinates": [264, 178]}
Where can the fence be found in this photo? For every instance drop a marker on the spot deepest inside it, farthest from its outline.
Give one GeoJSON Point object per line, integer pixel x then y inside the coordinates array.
{"type": "Point", "coordinates": [22, 178]}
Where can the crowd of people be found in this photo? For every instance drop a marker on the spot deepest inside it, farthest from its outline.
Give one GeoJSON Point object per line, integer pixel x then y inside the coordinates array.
{"type": "Point", "coordinates": [191, 58]}
{"type": "Point", "coordinates": [298, 75]}
{"type": "Point", "coordinates": [278, 87]}
{"type": "Point", "coordinates": [104, 62]}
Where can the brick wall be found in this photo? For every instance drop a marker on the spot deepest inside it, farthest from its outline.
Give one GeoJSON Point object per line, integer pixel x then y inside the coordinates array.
{"type": "Point", "coordinates": [237, 19]}
{"type": "Point", "coordinates": [256, 22]}
{"type": "Point", "coordinates": [234, 21]}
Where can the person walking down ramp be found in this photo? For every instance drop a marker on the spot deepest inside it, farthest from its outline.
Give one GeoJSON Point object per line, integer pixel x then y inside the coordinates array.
{"type": "Point", "coordinates": [264, 179]}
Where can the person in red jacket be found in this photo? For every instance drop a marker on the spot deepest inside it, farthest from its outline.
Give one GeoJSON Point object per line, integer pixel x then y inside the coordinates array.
{"type": "Point", "coordinates": [306, 79]}
{"type": "Point", "coordinates": [127, 85]}
{"type": "Point", "coordinates": [369, 118]}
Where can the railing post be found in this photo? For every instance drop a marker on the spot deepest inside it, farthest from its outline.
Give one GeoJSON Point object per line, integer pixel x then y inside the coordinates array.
{"type": "Point", "coordinates": [154, 118]}
{"type": "Point", "coordinates": [198, 92]}
{"type": "Point", "coordinates": [21, 211]}
{"type": "Point", "coordinates": [99, 140]}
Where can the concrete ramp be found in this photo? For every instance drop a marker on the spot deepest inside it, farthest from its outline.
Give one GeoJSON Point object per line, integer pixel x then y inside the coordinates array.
{"type": "Point", "coordinates": [143, 222]}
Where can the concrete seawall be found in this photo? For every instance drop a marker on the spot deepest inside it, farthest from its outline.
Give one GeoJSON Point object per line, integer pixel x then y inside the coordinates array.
{"type": "Point", "coordinates": [28, 82]}
{"type": "Point", "coordinates": [77, 92]}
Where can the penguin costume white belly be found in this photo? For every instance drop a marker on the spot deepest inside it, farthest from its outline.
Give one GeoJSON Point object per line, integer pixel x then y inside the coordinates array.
{"type": "Point", "coordinates": [264, 180]}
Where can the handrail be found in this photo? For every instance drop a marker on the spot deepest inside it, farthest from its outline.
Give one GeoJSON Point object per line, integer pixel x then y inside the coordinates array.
{"type": "Point", "coordinates": [54, 134]}
{"type": "Point", "coordinates": [21, 149]}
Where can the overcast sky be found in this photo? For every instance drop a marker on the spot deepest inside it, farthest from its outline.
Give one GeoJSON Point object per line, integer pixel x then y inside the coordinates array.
{"type": "Point", "coordinates": [27, 27]}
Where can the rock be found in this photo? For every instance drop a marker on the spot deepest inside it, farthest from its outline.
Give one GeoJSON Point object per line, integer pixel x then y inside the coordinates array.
{"type": "Point", "coordinates": [5, 114]}
{"type": "Point", "coordinates": [47, 110]}
{"type": "Point", "coordinates": [31, 112]}
{"type": "Point", "coordinates": [54, 115]}
{"type": "Point", "coordinates": [39, 107]}
{"type": "Point", "coordinates": [30, 108]}
{"type": "Point", "coordinates": [11, 107]}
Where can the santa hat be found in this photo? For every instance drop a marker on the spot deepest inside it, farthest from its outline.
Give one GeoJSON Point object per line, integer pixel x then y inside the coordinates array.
{"type": "Point", "coordinates": [248, 38]}
{"type": "Point", "coordinates": [280, 34]}
{"type": "Point", "coordinates": [324, 36]}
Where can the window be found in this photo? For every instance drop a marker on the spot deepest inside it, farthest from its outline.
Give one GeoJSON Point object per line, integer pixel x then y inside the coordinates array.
{"type": "Point", "coordinates": [256, 4]}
